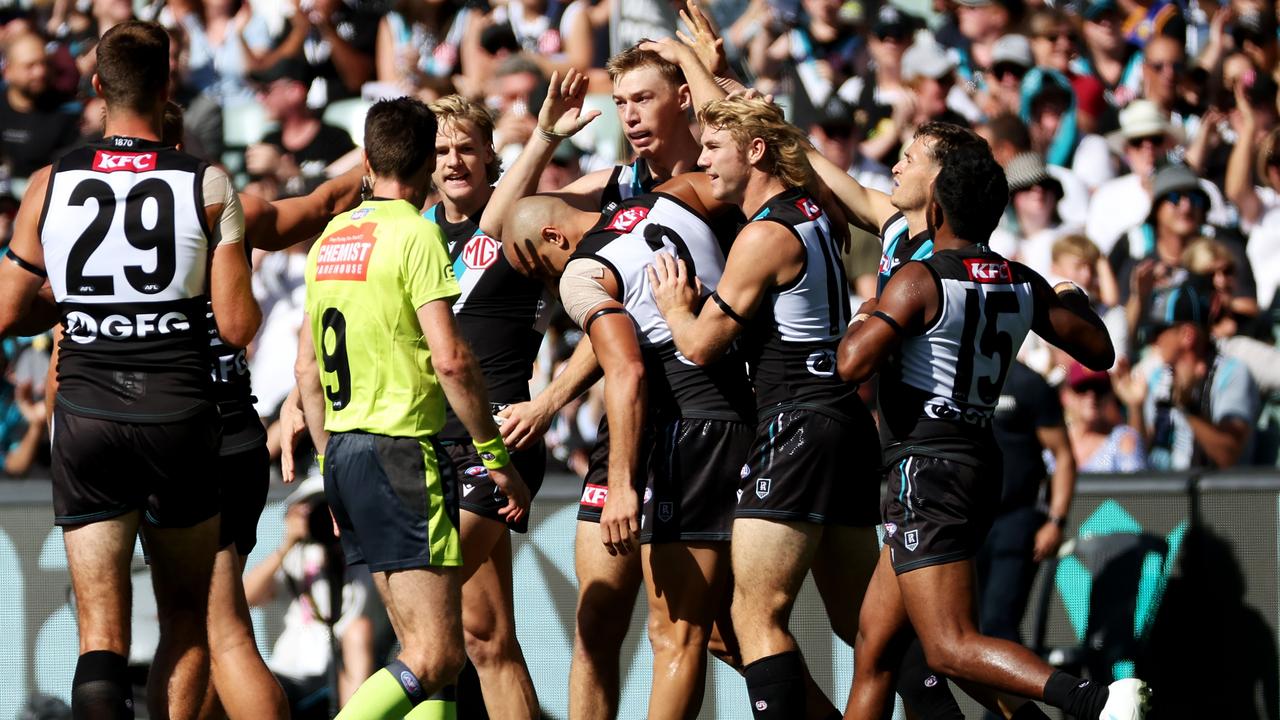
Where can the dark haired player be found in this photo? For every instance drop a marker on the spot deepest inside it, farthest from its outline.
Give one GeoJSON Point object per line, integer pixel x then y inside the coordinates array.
{"type": "Point", "coordinates": [137, 238]}
{"type": "Point", "coordinates": [953, 324]}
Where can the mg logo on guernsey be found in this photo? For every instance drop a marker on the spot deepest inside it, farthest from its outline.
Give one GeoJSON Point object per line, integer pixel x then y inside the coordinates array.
{"type": "Point", "coordinates": [104, 161]}
{"type": "Point", "coordinates": [985, 271]}
{"type": "Point", "coordinates": [480, 252]}
{"type": "Point", "coordinates": [624, 221]}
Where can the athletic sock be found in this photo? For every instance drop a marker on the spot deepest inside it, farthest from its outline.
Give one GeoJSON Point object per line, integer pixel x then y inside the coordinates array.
{"type": "Point", "coordinates": [101, 689]}
{"type": "Point", "coordinates": [1080, 698]}
{"type": "Point", "coordinates": [775, 685]}
{"type": "Point", "coordinates": [925, 692]}
{"type": "Point", "coordinates": [1030, 711]}
{"type": "Point", "coordinates": [392, 692]}
{"type": "Point", "coordinates": [441, 706]}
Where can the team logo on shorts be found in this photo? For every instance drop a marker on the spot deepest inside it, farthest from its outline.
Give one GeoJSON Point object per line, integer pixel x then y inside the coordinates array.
{"type": "Point", "coordinates": [762, 705]}
{"type": "Point", "coordinates": [648, 495]}
{"type": "Point", "coordinates": [665, 511]}
{"type": "Point", "coordinates": [763, 486]}
{"type": "Point", "coordinates": [744, 472]}
{"type": "Point", "coordinates": [477, 471]}
{"type": "Point", "coordinates": [911, 539]}
{"type": "Point", "coordinates": [821, 363]}
{"type": "Point", "coordinates": [931, 681]}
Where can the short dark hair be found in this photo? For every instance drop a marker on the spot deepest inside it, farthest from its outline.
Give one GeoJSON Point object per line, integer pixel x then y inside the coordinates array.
{"type": "Point", "coordinates": [399, 137]}
{"type": "Point", "coordinates": [972, 190]}
{"type": "Point", "coordinates": [1007, 127]}
{"type": "Point", "coordinates": [133, 65]}
{"type": "Point", "coordinates": [947, 138]}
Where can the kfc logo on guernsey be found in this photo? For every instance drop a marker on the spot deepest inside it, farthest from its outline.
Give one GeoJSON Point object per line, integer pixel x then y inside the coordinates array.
{"type": "Point", "coordinates": [345, 254]}
{"type": "Point", "coordinates": [985, 271]}
{"type": "Point", "coordinates": [480, 252]}
{"type": "Point", "coordinates": [626, 220]}
{"type": "Point", "coordinates": [104, 161]}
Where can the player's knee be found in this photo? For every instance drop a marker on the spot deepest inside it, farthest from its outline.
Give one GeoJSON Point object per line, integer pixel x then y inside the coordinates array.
{"type": "Point", "coordinates": [945, 655]}
{"type": "Point", "coordinates": [488, 647]}
{"type": "Point", "coordinates": [675, 638]}
{"type": "Point", "coordinates": [598, 624]}
{"type": "Point", "coordinates": [763, 608]}
{"type": "Point", "coordinates": [435, 665]}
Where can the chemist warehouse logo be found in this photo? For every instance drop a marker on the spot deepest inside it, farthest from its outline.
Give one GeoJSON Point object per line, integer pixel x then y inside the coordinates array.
{"type": "Point", "coordinates": [345, 254]}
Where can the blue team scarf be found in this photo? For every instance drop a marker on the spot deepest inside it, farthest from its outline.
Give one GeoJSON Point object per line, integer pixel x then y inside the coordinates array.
{"type": "Point", "coordinates": [1065, 140]}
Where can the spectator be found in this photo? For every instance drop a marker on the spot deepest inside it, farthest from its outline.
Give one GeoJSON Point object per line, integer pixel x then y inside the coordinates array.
{"type": "Point", "coordinates": [1164, 69]}
{"type": "Point", "coordinates": [1053, 39]}
{"type": "Point", "coordinates": [819, 46]}
{"type": "Point", "coordinates": [835, 133]}
{"type": "Point", "coordinates": [879, 92]}
{"type": "Point", "coordinates": [35, 125]}
{"type": "Point", "coordinates": [556, 36]}
{"type": "Point", "coordinates": [304, 570]}
{"type": "Point", "coordinates": [22, 420]}
{"type": "Point", "coordinates": [1010, 61]}
{"type": "Point", "coordinates": [930, 72]}
{"type": "Point", "coordinates": [341, 41]}
{"type": "Point", "coordinates": [1259, 204]}
{"type": "Point", "coordinates": [1195, 407]}
{"type": "Point", "coordinates": [1009, 137]}
{"type": "Point", "coordinates": [1107, 55]}
{"type": "Point", "coordinates": [1077, 260]}
{"type": "Point", "coordinates": [565, 167]}
{"type": "Point", "coordinates": [511, 91]}
{"type": "Point", "coordinates": [1144, 140]}
{"type": "Point", "coordinates": [294, 156]}
{"type": "Point", "coordinates": [981, 23]}
{"type": "Point", "coordinates": [420, 45]}
{"type": "Point", "coordinates": [1100, 441]}
{"type": "Point", "coordinates": [1033, 206]}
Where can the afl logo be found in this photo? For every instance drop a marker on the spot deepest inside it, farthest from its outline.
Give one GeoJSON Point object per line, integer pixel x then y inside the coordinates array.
{"type": "Point", "coordinates": [481, 252]}
{"type": "Point", "coordinates": [822, 363]}
{"type": "Point", "coordinates": [477, 471]}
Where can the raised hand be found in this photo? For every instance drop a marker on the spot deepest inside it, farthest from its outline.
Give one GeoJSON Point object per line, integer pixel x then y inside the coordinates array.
{"type": "Point", "coordinates": [708, 46]}
{"type": "Point", "coordinates": [561, 113]}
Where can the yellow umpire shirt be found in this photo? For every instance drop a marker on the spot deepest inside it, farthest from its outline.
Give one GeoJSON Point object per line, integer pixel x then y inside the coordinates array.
{"type": "Point", "coordinates": [367, 275]}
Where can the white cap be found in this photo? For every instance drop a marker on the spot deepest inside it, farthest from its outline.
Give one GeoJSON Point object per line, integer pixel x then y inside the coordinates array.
{"type": "Point", "coordinates": [1014, 49]}
{"type": "Point", "coordinates": [926, 58]}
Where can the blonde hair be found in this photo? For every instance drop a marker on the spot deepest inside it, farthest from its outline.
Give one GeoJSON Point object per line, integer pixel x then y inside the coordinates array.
{"type": "Point", "coordinates": [1076, 246]}
{"type": "Point", "coordinates": [455, 109]}
{"type": "Point", "coordinates": [785, 145]}
{"type": "Point", "coordinates": [1203, 253]}
{"type": "Point", "coordinates": [633, 58]}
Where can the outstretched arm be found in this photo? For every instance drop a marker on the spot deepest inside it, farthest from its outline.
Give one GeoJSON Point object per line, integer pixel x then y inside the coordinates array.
{"type": "Point", "coordinates": [559, 119]}
{"type": "Point", "coordinates": [524, 423]}
{"type": "Point", "coordinates": [284, 223]}
{"type": "Point", "coordinates": [1064, 318]}
{"type": "Point", "coordinates": [867, 208]}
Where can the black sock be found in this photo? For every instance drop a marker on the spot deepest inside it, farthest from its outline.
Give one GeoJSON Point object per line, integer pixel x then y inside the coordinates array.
{"type": "Point", "coordinates": [101, 689]}
{"type": "Point", "coordinates": [1080, 698]}
{"type": "Point", "coordinates": [470, 697]}
{"type": "Point", "coordinates": [775, 685]}
{"type": "Point", "coordinates": [1030, 711]}
{"type": "Point", "coordinates": [927, 693]}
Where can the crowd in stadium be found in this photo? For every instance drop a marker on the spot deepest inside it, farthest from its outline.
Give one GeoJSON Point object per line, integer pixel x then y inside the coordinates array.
{"type": "Point", "coordinates": [1139, 141]}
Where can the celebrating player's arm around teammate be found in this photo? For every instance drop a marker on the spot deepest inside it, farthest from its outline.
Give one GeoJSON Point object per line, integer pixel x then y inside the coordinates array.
{"type": "Point", "coordinates": [663, 482]}
{"type": "Point", "coordinates": [502, 315]}
{"type": "Point", "coordinates": [134, 256]}
{"type": "Point", "coordinates": [952, 325]}
{"type": "Point", "coordinates": [802, 505]}
{"type": "Point", "coordinates": [379, 344]}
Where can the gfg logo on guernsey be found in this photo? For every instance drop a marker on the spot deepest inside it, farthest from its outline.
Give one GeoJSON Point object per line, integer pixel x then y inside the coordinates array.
{"type": "Point", "coordinates": [84, 329]}
{"type": "Point", "coordinates": [104, 161]}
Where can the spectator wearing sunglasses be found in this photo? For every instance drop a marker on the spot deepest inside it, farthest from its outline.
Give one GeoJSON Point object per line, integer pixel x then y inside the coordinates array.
{"type": "Point", "coordinates": [880, 93]}
{"type": "Point", "coordinates": [1164, 68]}
{"type": "Point", "coordinates": [1102, 443]}
{"type": "Point", "coordinates": [1010, 60]}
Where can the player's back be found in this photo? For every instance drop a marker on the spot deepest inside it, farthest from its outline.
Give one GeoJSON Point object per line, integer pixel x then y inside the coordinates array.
{"type": "Point", "coordinates": [939, 395]}
{"type": "Point", "coordinates": [367, 275]}
{"type": "Point", "coordinates": [127, 247]}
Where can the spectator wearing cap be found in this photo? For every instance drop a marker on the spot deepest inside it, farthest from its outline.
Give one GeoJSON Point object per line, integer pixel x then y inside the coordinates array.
{"type": "Point", "coordinates": [930, 71]}
{"type": "Point", "coordinates": [295, 155]}
{"type": "Point", "coordinates": [835, 133]}
{"type": "Point", "coordinates": [1010, 61]}
{"type": "Point", "coordinates": [1101, 441]}
{"type": "Point", "coordinates": [565, 167]}
{"type": "Point", "coordinates": [821, 47]}
{"type": "Point", "coordinates": [1036, 225]}
{"type": "Point", "coordinates": [879, 93]}
{"type": "Point", "coordinates": [34, 124]}
{"type": "Point", "coordinates": [1107, 55]}
{"type": "Point", "coordinates": [1144, 140]}
{"type": "Point", "coordinates": [1195, 407]}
